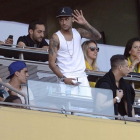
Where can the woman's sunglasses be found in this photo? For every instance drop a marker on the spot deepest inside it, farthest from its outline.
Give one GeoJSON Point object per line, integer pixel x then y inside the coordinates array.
{"type": "Point", "coordinates": [94, 48]}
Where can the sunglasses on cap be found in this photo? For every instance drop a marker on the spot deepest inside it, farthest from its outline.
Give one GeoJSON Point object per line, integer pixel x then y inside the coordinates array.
{"type": "Point", "coordinates": [94, 48]}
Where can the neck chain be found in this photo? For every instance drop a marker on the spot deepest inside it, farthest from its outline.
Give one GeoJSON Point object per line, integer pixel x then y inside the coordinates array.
{"type": "Point", "coordinates": [71, 55]}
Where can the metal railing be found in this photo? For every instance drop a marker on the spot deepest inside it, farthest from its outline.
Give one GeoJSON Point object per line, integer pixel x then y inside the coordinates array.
{"type": "Point", "coordinates": [15, 90]}
{"type": "Point", "coordinates": [65, 111]}
{"type": "Point", "coordinates": [23, 48]}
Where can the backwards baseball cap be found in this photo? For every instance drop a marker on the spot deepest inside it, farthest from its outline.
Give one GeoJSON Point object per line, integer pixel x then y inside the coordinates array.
{"type": "Point", "coordinates": [15, 66]}
{"type": "Point", "coordinates": [65, 11]}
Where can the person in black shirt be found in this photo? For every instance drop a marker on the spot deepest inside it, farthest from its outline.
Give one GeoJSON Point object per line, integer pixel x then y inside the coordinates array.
{"type": "Point", "coordinates": [123, 93]}
{"type": "Point", "coordinates": [35, 38]}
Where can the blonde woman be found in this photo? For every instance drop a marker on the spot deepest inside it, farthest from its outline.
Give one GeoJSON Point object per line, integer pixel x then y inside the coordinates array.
{"type": "Point", "coordinates": [90, 50]}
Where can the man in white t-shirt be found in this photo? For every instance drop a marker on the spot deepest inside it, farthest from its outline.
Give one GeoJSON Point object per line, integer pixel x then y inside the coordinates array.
{"type": "Point", "coordinates": [18, 75]}
{"type": "Point", "coordinates": [65, 47]}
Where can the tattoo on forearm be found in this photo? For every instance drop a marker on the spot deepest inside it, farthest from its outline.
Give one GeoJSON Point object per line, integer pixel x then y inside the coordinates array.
{"type": "Point", "coordinates": [84, 33]}
{"type": "Point", "coordinates": [90, 33]}
{"type": "Point", "coordinates": [92, 30]}
{"type": "Point", "coordinates": [53, 46]}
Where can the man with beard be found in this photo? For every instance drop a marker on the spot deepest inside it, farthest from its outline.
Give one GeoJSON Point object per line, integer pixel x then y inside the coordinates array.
{"type": "Point", "coordinates": [35, 38]}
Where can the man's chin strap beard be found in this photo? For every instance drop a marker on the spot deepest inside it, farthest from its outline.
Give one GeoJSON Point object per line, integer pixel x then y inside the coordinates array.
{"type": "Point", "coordinates": [35, 41]}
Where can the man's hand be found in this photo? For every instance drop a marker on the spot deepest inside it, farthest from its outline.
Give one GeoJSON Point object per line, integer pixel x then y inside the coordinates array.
{"type": "Point", "coordinates": [91, 32]}
{"type": "Point", "coordinates": [119, 93]}
{"type": "Point", "coordinates": [1, 42]}
{"type": "Point", "coordinates": [69, 81]}
{"type": "Point", "coordinates": [136, 60]}
{"type": "Point", "coordinates": [9, 41]}
{"type": "Point", "coordinates": [79, 18]}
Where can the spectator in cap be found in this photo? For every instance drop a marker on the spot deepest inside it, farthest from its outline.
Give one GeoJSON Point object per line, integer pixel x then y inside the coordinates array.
{"type": "Point", "coordinates": [18, 75]}
{"type": "Point", "coordinates": [65, 47]}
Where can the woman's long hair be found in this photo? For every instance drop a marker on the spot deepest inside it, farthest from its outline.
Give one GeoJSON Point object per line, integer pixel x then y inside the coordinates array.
{"type": "Point", "coordinates": [85, 47]}
{"type": "Point", "coordinates": [129, 45]}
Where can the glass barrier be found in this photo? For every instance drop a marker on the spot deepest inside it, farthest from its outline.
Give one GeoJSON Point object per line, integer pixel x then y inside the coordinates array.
{"type": "Point", "coordinates": [68, 97]}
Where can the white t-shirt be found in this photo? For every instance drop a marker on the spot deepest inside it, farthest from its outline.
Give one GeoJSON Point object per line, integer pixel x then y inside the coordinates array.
{"type": "Point", "coordinates": [24, 90]}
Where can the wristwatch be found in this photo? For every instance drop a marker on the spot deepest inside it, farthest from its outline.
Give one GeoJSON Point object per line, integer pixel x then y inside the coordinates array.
{"type": "Point", "coordinates": [62, 78]}
{"type": "Point", "coordinates": [118, 99]}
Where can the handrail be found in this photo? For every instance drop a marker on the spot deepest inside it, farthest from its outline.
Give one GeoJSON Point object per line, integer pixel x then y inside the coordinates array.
{"type": "Point", "coordinates": [40, 65]}
{"type": "Point", "coordinates": [27, 61]}
{"type": "Point", "coordinates": [125, 118]}
{"type": "Point", "coordinates": [100, 74]}
{"type": "Point", "coordinates": [24, 48]}
{"type": "Point", "coordinates": [15, 90]}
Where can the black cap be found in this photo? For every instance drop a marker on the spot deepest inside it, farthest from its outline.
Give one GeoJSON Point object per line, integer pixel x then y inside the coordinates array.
{"type": "Point", "coordinates": [65, 11]}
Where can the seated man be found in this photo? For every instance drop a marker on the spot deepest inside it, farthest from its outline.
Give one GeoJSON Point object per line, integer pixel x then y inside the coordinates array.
{"type": "Point", "coordinates": [123, 93]}
{"type": "Point", "coordinates": [18, 75]}
{"type": "Point", "coordinates": [35, 38]}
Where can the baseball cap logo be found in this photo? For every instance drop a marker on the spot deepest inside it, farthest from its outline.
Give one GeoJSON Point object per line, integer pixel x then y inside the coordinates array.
{"type": "Point", "coordinates": [63, 11]}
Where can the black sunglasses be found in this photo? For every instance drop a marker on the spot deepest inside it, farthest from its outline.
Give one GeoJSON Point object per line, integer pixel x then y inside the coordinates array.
{"type": "Point", "coordinates": [94, 48]}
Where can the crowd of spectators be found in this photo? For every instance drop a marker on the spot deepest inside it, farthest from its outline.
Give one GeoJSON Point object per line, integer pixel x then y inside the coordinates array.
{"type": "Point", "coordinates": [68, 59]}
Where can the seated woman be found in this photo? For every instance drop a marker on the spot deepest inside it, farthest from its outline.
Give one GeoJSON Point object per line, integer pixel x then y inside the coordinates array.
{"type": "Point", "coordinates": [132, 52]}
{"type": "Point", "coordinates": [90, 51]}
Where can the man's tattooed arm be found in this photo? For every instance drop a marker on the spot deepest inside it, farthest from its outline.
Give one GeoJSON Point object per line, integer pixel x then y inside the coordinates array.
{"type": "Point", "coordinates": [53, 48]}
{"type": "Point", "coordinates": [90, 33]}
{"type": "Point", "coordinates": [53, 45]}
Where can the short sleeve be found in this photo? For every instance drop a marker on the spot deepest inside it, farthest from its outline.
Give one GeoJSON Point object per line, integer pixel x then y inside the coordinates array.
{"type": "Point", "coordinates": [22, 39]}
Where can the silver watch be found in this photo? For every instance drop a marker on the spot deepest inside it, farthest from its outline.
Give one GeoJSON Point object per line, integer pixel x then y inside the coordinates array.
{"type": "Point", "coordinates": [62, 78]}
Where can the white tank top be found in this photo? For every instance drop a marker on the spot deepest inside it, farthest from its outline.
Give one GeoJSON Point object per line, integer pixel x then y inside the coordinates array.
{"type": "Point", "coordinates": [71, 66]}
